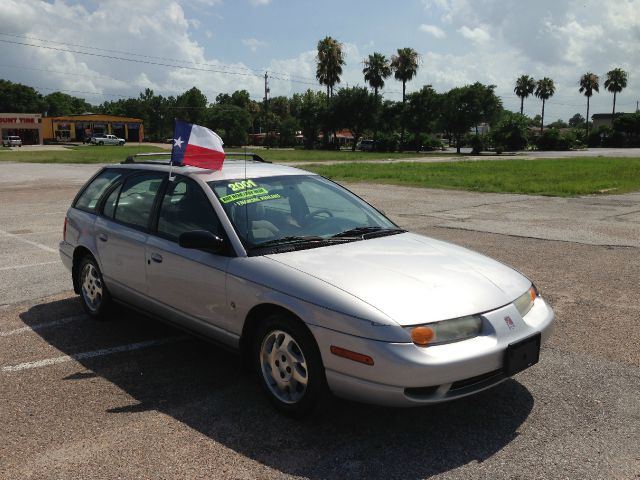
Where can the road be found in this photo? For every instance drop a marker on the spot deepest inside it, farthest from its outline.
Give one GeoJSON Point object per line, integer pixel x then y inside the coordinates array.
{"type": "Point", "coordinates": [132, 398]}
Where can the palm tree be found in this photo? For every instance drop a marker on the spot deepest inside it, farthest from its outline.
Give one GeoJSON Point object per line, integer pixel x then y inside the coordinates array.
{"type": "Point", "coordinates": [616, 81]}
{"type": "Point", "coordinates": [544, 91]}
{"type": "Point", "coordinates": [376, 70]}
{"type": "Point", "coordinates": [405, 66]}
{"type": "Point", "coordinates": [329, 63]}
{"type": "Point", "coordinates": [525, 85]}
{"type": "Point", "coordinates": [589, 83]}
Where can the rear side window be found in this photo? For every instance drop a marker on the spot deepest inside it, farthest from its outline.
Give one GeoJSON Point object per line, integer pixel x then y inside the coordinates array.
{"type": "Point", "coordinates": [88, 199]}
{"type": "Point", "coordinates": [136, 199]}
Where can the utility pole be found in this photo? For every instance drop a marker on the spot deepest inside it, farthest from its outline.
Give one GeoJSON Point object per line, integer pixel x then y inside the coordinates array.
{"type": "Point", "coordinates": [266, 108]}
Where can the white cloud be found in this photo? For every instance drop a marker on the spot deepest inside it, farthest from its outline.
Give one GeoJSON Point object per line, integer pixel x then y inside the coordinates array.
{"type": "Point", "coordinates": [260, 3]}
{"type": "Point", "coordinates": [150, 30]}
{"type": "Point", "coordinates": [433, 30]}
{"type": "Point", "coordinates": [476, 35]}
{"type": "Point", "coordinates": [253, 44]}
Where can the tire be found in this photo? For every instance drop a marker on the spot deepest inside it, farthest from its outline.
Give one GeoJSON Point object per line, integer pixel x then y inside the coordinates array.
{"type": "Point", "coordinates": [94, 295]}
{"type": "Point", "coordinates": [288, 365]}
{"type": "Point", "coordinates": [101, 143]}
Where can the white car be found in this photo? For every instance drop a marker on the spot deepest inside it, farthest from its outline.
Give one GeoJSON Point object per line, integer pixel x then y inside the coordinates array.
{"type": "Point", "coordinates": [317, 288]}
{"type": "Point", "coordinates": [107, 140]}
{"type": "Point", "coordinates": [11, 141]}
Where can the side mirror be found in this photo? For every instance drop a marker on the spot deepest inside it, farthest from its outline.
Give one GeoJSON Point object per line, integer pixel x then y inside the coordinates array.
{"type": "Point", "coordinates": [202, 240]}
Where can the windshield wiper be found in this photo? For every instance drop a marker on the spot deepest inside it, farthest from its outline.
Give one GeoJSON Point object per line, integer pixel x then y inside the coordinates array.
{"type": "Point", "coordinates": [288, 240]}
{"type": "Point", "coordinates": [368, 232]}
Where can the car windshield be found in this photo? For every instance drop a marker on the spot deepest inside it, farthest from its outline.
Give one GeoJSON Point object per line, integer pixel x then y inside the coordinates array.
{"type": "Point", "coordinates": [289, 209]}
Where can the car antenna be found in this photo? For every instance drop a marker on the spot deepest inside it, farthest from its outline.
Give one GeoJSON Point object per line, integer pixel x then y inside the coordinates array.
{"type": "Point", "coordinates": [246, 205]}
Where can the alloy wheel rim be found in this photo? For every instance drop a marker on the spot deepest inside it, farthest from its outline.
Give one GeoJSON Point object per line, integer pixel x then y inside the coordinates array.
{"type": "Point", "coordinates": [91, 287]}
{"type": "Point", "coordinates": [284, 367]}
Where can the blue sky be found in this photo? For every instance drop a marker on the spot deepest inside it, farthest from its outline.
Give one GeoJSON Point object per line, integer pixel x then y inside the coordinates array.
{"type": "Point", "coordinates": [221, 41]}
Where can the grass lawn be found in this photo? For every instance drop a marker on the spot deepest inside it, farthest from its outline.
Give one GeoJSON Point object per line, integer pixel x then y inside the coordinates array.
{"type": "Point", "coordinates": [283, 155]}
{"type": "Point", "coordinates": [84, 154]}
{"type": "Point", "coordinates": [552, 177]}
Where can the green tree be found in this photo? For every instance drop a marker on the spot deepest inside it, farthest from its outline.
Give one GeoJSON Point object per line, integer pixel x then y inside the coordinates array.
{"type": "Point", "coordinates": [191, 106]}
{"type": "Point", "coordinates": [354, 108]}
{"type": "Point", "coordinates": [309, 109]}
{"type": "Point", "coordinates": [231, 122]}
{"type": "Point", "coordinates": [18, 98]}
{"type": "Point", "coordinates": [376, 70]}
{"type": "Point", "coordinates": [465, 107]}
{"type": "Point", "coordinates": [576, 121]}
{"type": "Point", "coordinates": [511, 133]}
{"type": "Point", "coordinates": [545, 89]}
{"type": "Point", "coordinates": [589, 83]}
{"type": "Point", "coordinates": [329, 62]}
{"type": "Point", "coordinates": [421, 111]}
{"type": "Point", "coordinates": [458, 112]}
{"type": "Point", "coordinates": [288, 130]}
{"type": "Point", "coordinates": [405, 67]}
{"type": "Point", "coordinates": [616, 82]}
{"type": "Point", "coordinates": [58, 103]}
{"type": "Point", "coordinates": [488, 107]}
{"type": "Point", "coordinates": [525, 85]}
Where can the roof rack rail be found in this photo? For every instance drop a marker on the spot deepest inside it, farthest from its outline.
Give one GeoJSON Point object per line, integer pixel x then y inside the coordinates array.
{"type": "Point", "coordinates": [254, 156]}
{"type": "Point", "coordinates": [133, 158]}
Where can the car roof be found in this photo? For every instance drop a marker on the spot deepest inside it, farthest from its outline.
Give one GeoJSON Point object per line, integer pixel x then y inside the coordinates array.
{"type": "Point", "coordinates": [231, 169]}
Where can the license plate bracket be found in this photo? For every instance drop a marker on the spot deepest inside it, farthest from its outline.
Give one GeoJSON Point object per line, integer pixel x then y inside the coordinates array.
{"type": "Point", "coordinates": [521, 355]}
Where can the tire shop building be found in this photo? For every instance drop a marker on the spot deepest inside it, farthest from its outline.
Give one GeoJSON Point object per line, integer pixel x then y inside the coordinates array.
{"type": "Point", "coordinates": [27, 126]}
{"type": "Point", "coordinates": [80, 128]}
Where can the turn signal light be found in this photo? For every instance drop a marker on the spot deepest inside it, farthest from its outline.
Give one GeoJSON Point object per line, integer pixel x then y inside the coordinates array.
{"type": "Point", "coordinates": [64, 229]}
{"type": "Point", "coordinates": [355, 356]}
{"type": "Point", "coordinates": [533, 293]}
{"type": "Point", "coordinates": [422, 335]}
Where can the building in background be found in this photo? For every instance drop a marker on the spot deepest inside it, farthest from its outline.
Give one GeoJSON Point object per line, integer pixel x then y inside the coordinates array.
{"type": "Point", "coordinates": [80, 128]}
{"type": "Point", "coordinates": [27, 126]}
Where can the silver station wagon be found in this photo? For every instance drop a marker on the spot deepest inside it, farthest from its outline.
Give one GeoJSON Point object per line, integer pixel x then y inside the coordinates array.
{"type": "Point", "coordinates": [318, 289]}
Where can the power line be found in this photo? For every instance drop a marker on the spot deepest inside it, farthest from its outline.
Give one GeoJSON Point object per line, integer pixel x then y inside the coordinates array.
{"type": "Point", "coordinates": [132, 60]}
{"type": "Point", "coordinates": [292, 77]}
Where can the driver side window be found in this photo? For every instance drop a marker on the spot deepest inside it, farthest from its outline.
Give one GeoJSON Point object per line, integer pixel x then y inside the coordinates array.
{"type": "Point", "coordinates": [185, 208]}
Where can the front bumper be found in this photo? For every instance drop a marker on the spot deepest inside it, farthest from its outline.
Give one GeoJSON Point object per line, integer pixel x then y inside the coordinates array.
{"type": "Point", "coordinates": [407, 375]}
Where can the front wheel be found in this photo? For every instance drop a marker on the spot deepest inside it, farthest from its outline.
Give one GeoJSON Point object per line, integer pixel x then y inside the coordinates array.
{"type": "Point", "coordinates": [95, 297]}
{"type": "Point", "coordinates": [289, 365]}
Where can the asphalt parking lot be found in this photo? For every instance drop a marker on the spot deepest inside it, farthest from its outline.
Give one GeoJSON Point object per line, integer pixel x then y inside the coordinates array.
{"type": "Point", "coordinates": [132, 398]}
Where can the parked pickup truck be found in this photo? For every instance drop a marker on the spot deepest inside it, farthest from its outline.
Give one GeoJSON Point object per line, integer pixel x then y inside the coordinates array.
{"type": "Point", "coordinates": [106, 140]}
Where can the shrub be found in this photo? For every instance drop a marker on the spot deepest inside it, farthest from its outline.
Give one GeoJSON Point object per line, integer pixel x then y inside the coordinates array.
{"type": "Point", "coordinates": [511, 132]}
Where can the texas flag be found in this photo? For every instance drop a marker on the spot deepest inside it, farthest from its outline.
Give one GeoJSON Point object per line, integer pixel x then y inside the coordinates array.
{"type": "Point", "coordinates": [196, 146]}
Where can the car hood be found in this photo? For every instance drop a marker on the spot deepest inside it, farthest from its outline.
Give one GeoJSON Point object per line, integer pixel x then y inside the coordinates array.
{"type": "Point", "coordinates": [411, 278]}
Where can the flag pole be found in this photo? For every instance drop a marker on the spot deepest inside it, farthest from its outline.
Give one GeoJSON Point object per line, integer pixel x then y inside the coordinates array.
{"type": "Point", "coordinates": [172, 147]}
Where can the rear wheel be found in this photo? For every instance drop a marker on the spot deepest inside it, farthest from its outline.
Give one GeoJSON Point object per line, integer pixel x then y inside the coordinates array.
{"type": "Point", "coordinates": [289, 365]}
{"type": "Point", "coordinates": [95, 297]}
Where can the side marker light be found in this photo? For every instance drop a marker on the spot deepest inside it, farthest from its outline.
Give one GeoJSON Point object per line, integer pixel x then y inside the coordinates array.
{"type": "Point", "coordinates": [350, 355]}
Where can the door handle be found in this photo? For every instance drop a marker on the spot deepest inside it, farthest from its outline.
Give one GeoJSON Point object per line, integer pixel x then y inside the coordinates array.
{"type": "Point", "coordinates": [103, 237]}
{"type": "Point", "coordinates": [156, 257]}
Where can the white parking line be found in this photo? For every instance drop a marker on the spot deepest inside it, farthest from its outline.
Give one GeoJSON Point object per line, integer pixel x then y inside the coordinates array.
{"type": "Point", "coordinates": [14, 267]}
{"type": "Point", "coordinates": [40, 326]}
{"type": "Point", "coordinates": [96, 353]}
{"type": "Point", "coordinates": [35, 244]}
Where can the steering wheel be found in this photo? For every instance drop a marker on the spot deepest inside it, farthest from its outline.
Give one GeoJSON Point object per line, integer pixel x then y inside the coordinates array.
{"type": "Point", "coordinates": [320, 211]}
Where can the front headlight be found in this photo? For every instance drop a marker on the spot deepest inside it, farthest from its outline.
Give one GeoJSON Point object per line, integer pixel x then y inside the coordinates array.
{"type": "Point", "coordinates": [446, 331]}
{"type": "Point", "coordinates": [525, 301]}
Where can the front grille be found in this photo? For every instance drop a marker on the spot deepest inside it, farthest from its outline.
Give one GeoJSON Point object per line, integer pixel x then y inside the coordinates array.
{"type": "Point", "coordinates": [476, 382]}
{"type": "Point", "coordinates": [460, 387]}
